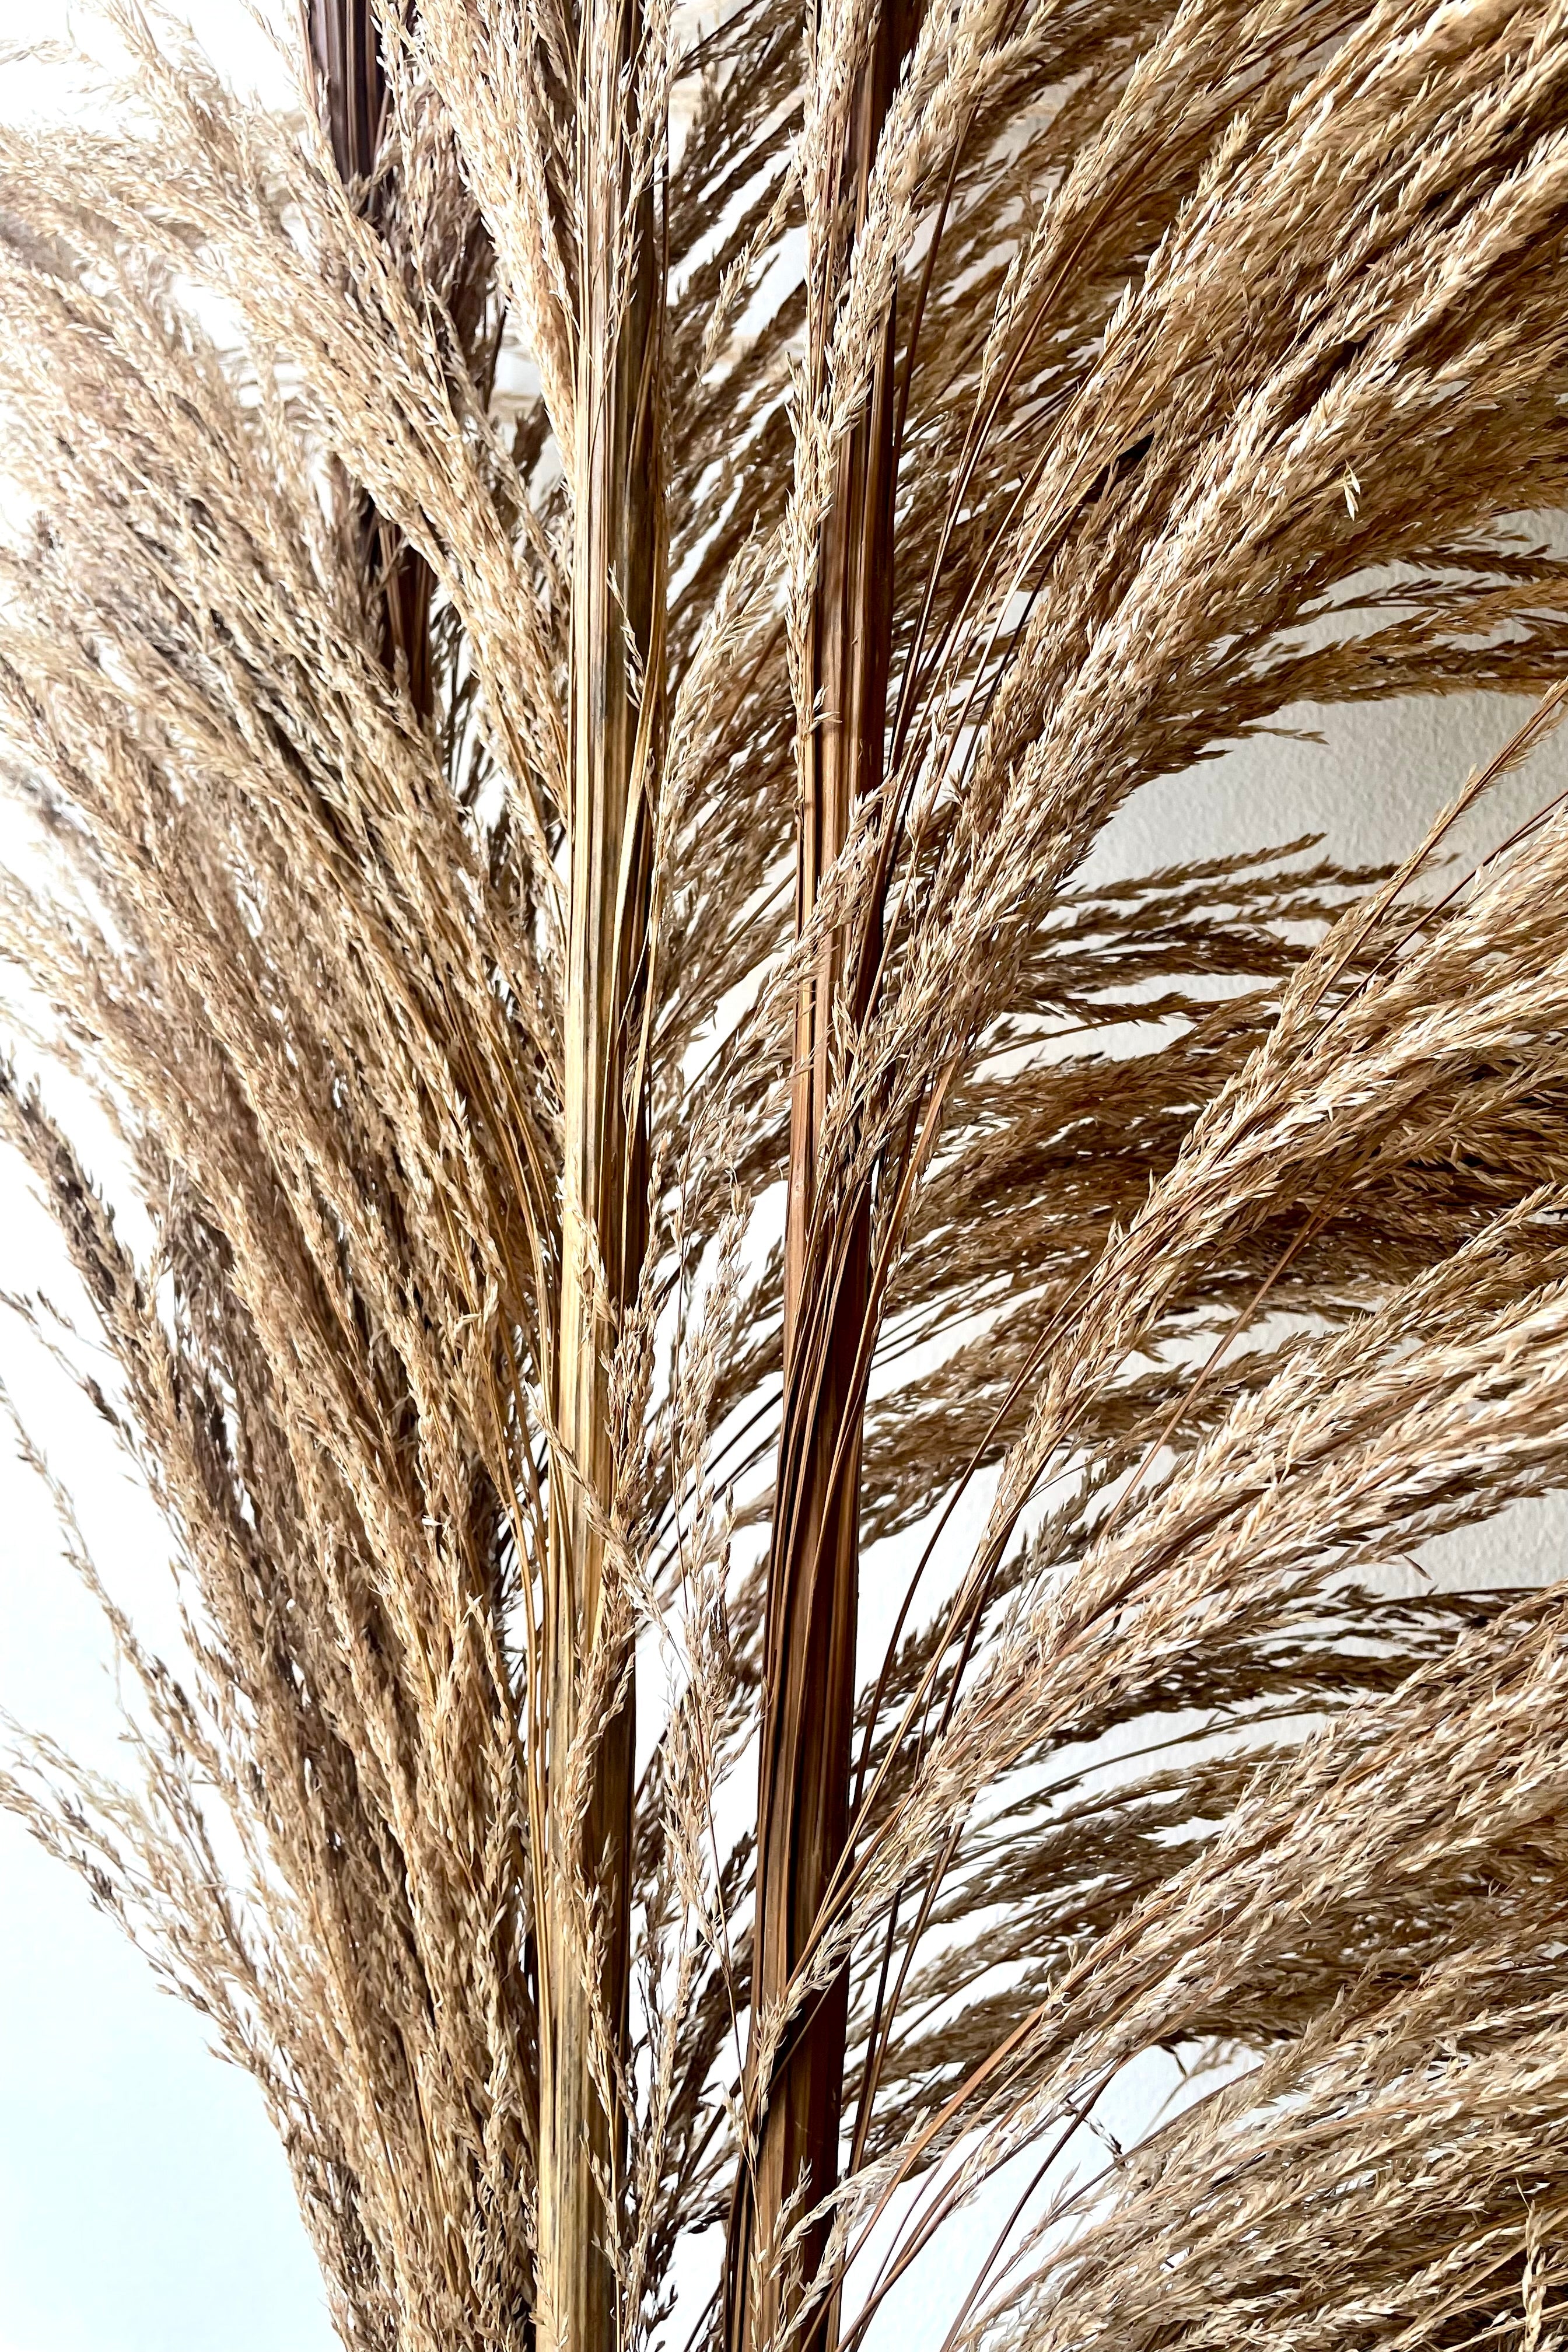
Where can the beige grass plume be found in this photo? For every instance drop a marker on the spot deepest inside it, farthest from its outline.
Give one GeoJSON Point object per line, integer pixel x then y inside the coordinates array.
{"type": "Point", "coordinates": [577, 608]}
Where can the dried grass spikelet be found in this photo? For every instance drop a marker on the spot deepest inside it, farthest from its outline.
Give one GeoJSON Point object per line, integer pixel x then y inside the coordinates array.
{"type": "Point", "coordinates": [575, 611]}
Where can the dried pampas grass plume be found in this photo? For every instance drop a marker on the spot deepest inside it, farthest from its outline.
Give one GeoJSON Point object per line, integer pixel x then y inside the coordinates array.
{"type": "Point", "coordinates": [574, 612]}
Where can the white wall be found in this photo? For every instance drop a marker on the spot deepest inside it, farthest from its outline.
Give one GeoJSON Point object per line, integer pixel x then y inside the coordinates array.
{"type": "Point", "coordinates": [144, 2203]}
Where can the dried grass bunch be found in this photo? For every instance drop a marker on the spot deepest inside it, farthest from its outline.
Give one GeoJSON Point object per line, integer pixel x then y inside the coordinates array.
{"type": "Point", "coordinates": [584, 601]}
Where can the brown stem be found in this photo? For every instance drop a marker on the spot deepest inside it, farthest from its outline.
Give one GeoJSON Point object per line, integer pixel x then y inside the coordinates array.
{"type": "Point", "coordinates": [814, 1565]}
{"type": "Point", "coordinates": [616, 660]}
{"type": "Point", "coordinates": [347, 58]}
{"type": "Point", "coordinates": [582, 1936]}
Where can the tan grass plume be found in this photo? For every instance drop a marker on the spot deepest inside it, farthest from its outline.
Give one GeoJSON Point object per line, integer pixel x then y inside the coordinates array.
{"type": "Point", "coordinates": [577, 608]}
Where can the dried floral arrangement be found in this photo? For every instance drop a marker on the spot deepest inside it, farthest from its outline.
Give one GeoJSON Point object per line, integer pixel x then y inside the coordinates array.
{"type": "Point", "coordinates": [780, 1417]}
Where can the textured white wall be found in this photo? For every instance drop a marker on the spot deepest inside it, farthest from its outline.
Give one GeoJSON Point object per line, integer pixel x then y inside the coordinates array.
{"type": "Point", "coordinates": [1378, 779]}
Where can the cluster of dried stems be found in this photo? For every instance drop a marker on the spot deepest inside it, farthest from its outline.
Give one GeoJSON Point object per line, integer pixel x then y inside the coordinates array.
{"type": "Point", "coordinates": [575, 609]}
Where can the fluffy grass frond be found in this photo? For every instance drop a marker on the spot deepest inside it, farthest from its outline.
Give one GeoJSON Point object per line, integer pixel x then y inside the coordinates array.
{"type": "Point", "coordinates": [784, 1405]}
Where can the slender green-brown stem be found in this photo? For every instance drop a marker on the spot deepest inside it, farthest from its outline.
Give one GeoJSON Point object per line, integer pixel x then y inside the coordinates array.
{"type": "Point", "coordinates": [615, 661]}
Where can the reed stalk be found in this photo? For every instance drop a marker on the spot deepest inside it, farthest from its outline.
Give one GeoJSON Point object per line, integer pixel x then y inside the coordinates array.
{"type": "Point", "coordinates": [813, 1577]}
{"type": "Point", "coordinates": [617, 703]}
